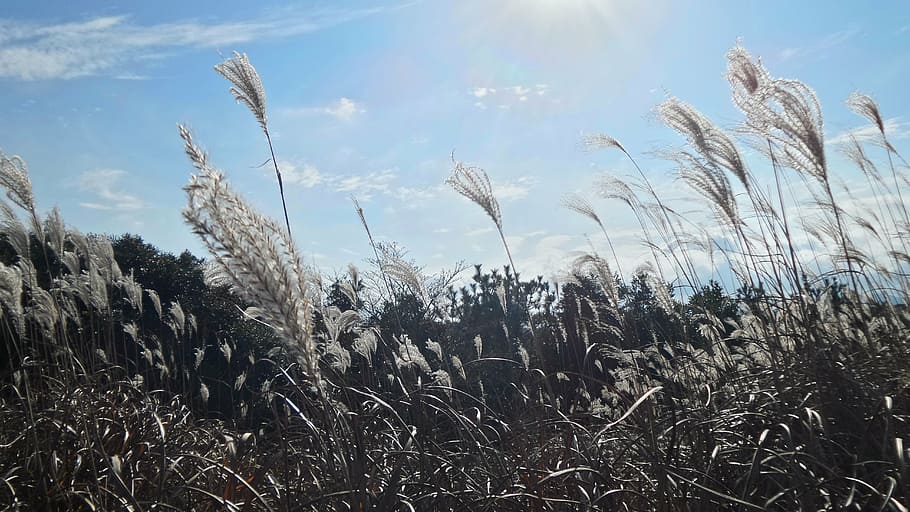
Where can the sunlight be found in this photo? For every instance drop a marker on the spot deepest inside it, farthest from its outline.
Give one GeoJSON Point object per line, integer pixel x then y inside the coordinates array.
{"type": "Point", "coordinates": [554, 28]}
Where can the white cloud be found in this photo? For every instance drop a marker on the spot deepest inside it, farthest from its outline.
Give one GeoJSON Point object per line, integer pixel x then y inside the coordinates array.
{"type": "Point", "coordinates": [506, 97]}
{"type": "Point", "coordinates": [364, 186]}
{"type": "Point", "coordinates": [512, 190]}
{"type": "Point", "coordinates": [343, 109]}
{"type": "Point", "coordinates": [547, 258]}
{"type": "Point", "coordinates": [895, 129]}
{"type": "Point", "coordinates": [131, 77]}
{"type": "Point", "coordinates": [36, 51]}
{"type": "Point", "coordinates": [307, 177]}
{"type": "Point", "coordinates": [413, 196]}
{"type": "Point", "coordinates": [105, 185]}
{"type": "Point", "coordinates": [479, 231]}
{"type": "Point", "coordinates": [480, 92]}
{"type": "Point", "coordinates": [820, 46]}
{"type": "Point", "coordinates": [367, 185]}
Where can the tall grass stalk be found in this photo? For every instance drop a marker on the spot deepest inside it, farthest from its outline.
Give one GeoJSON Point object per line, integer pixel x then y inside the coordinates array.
{"type": "Point", "coordinates": [247, 89]}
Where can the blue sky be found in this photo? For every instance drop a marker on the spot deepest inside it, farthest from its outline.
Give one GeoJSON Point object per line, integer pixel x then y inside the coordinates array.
{"type": "Point", "coordinates": [371, 98]}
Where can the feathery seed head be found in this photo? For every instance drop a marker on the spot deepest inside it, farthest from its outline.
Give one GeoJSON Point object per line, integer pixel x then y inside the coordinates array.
{"type": "Point", "coordinates": [602, 141]}
{"type": "Point", "coordinates": [581, 206]}
{"type": "Point", "coordinates": [786, 113]}
{"type": "Point", "coordinates": [707, 139]}
{"type": "Point", "coordinates": [197, 155]}
{"type": "Point", "coordinates": [255, 256]}
{"type": "Point", "coordinates": [710, 182]}
{"type": "Point", "coordinates": [247, 86]}
{"type": "Point", "coordinates": [14, 178]}
{"type": "Point", "coordinates": [744, 75]}
{"type": "Point", "coordinates": [865, 106]}
{"type": "Point", "coordinates": [611, 187]}
{"type": "Point", "coordinates": [474, 184]}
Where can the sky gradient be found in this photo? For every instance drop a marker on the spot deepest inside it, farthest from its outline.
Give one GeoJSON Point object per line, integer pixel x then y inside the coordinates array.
{"type": "Point", "coordinates": [370, 99]}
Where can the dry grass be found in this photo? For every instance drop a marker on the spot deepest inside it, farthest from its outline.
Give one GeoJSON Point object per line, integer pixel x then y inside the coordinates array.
{"type": "Point", "coordinates": [798, 400]}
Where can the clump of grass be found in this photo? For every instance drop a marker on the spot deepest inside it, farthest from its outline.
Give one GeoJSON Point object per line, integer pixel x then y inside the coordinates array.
{"type": "Point", "coordinates": [789, 393]}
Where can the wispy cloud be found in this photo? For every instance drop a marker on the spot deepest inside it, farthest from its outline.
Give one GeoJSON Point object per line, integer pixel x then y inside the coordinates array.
{"type": "Point", "coordinates": [306, 176]}
{"type": "Point", "coordinates": [366, 184]}
{"type": "Point", "coordinates": [385, 183]}
{"type": "Point", "coordinates": [343, 109]}
{"type": "Point", "coordinates": [895, 129]}
{"type": "Point", "coordinates": [507, 97]}
{"type": "Point", "coordinates": [825, 43]}
{"type": "Point", "coordinates": [511, 190]}
{"type": "Point", "coordinates": [104, 184]}
{"type": "Point", "coordinates": [106, 45]}
{"type": "Point", "coordinates": [479, 231]}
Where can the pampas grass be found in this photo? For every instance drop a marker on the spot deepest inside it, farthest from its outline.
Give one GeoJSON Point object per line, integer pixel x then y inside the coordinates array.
{"type": "Point", "coordinates": [786, 394]}
{"type": "Point", "coordinates": [247, 89]}
{"type": "Point", "coordinates": [253, 256]}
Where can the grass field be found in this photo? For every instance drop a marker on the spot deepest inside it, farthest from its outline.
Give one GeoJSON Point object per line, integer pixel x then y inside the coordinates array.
{"type": "Point", "coordinates": [249, 381]}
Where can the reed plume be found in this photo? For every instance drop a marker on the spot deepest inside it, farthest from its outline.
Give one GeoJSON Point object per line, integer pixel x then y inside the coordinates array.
{"type": "Point", "coordinates": [247, 89]}
{"type": "Point", "coordinates": [474, 184]}
{"type": "Point", "coordinates": [252, 255]}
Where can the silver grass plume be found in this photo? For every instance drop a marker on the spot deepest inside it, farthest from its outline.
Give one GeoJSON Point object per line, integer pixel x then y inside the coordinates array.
{"type": "Point", "coordinates": [198, 357]}
{"type": "Point", "coordinates": [338, 322]}
{"type": "Point", "coordinates": [14, 232]}
{"type": "Point", "coordinates": [458, 367]}
{"type": "Point", "coordinates": [786, 112]}
{"type": "Point", "coordinates": [11, 294]}
{"type": "Point", "coordinates": [863, 105]}
{"type": "Point", "coordinates": [602, 141]}
{"type": "Point", "coordinates": [523, 357]}
{"type": "Point", "coordinates": [239, 381]}
{"type": "Point", "coordinates": [132, 290]}
{"type": "Point", "coordinates": [409, 356]}
{"type": "Point", "coordinates": [365, 344]}
{"type": "Point", "coordinates": [191, 322]}
{"type": "Point", "coordinates": [474, 184]}
{"type": "Point", "coordinates": [132, 330]}
{"type": "Point", "coordinates": [246, 85]}
{"type": "Point", "coordinates": [337, 357]}
{"type": "Point", "coordinates": [349, 288]}
{"type": "Point", "coordinates": [501, 295]}
{"type": "Point", "coordinates": [581, 206]}
{"type": "Point", "coordinates": [710, 182]}
{"type": "Point", "coordinates": [226, 350]}
{"type": "Point", "coordinates": [703, 136]}
{"type": "Point", "coordinates": [247, 89]}
{"type": "Point", "coordinates": [43, 310]}
{"type": "Point", "coordinates": [441, 378]}
{"type": "Point", "coordinates": [600, 267]}
{"type": "Point", "coordinates": [435, 348]}
{"type": "Point", "coordinates": [14, 178]}
{"type": "Point", "coordinates": [611, 187]}
{"type": "Point", "coordinates": [101, 257]}
{"type": "Point", "coordinates": [398, 269]}
{"type": "Point", "coordinates": [254, 256]}
{"type": "Point", "coordinates": [55, 231]}
{"type": "Point", "coordinates": [176, 319]}
{"type": "Point", "coordinates": [156, 302]}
